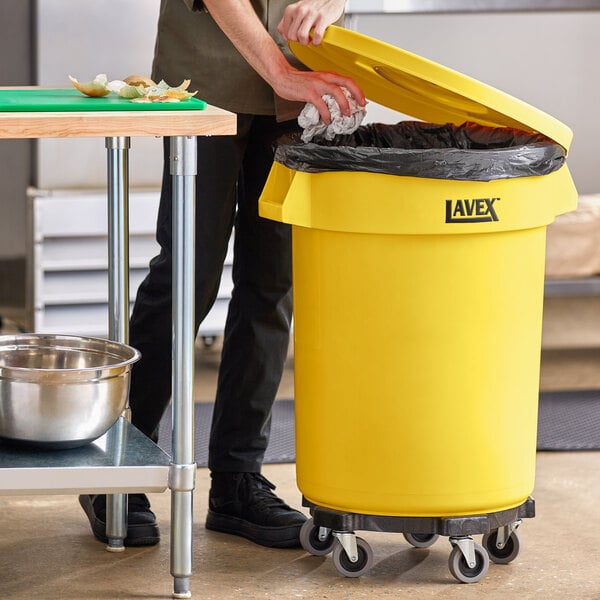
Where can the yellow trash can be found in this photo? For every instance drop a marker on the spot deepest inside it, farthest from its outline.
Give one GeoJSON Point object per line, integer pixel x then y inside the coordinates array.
{"type": "Point", "coordinates": [417, 308]}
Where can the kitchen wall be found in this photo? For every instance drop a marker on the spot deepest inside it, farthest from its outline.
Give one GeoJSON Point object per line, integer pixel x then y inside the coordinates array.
{"type": "Point", "coordinates": [548, 59]}
{"type": "Point", "coordinates": [115, 38]}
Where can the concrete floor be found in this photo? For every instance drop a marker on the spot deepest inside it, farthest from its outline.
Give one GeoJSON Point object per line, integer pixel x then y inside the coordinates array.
{"type": "Point", "coordinates": [47, 551]}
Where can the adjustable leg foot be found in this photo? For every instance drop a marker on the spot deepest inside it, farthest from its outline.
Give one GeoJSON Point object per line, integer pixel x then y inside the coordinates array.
{"type": "Point", "coordinates": [115, 545]}
{"type": "Point", "coordinates": [181, 587]}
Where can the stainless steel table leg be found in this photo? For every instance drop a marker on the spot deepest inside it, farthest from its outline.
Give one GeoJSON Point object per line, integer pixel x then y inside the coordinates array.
{"type": "Point", "coordinates": [118, 301]}
{"type": "Point", "coordinates": [183, 467]}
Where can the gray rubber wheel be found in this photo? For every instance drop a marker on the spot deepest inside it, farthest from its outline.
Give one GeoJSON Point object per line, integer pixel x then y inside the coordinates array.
{"type": "Point", "coordinates": [505, 555]}
{"type": "Point", "coordinates": [309, 538]}
{"type": "Point", "coordinates": [346, 567]}
{"type": "Point", "coordinates": [421, 540]}
{"type": "Point", "coordinates": [460, 569]}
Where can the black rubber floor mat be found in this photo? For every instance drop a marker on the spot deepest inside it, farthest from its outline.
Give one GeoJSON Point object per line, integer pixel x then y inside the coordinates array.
{"type": "Point", "coordinates": [281, 449]}
{"type": "Point", "coordinates": [569, 420]}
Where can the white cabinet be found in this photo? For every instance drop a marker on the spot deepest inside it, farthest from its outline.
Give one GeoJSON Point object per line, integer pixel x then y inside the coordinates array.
{"type": "Point", "coordinates": [68, 261]}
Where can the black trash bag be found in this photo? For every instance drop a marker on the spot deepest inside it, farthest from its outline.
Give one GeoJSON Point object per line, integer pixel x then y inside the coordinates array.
{"type": "Point", "coordinates": [469, 152]}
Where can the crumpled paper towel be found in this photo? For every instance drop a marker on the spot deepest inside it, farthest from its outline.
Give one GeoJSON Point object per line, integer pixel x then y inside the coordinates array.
{"type": "Point", "coordinates": [315, 128]}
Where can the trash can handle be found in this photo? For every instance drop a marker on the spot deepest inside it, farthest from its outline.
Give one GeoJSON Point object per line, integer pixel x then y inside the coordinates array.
{"type": "Point", "coordinates": [275, 192]}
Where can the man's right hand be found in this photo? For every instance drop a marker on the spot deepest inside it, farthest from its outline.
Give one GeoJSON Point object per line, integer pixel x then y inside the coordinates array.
{"type": "Point", "coordinates": [311, 86]}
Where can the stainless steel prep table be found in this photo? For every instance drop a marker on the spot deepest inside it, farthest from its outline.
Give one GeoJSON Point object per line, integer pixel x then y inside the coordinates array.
{"type": "Point", "coordinates": [124, 460]}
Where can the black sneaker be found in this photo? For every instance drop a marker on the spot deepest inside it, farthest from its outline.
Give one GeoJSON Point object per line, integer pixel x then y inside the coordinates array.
{"type": "Point", "coordinates": [142, 528]}
{"type": "Point", "coordinates": [244, 504]}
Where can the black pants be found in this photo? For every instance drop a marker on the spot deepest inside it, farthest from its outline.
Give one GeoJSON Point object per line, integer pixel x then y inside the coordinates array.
{"type": "Point", "coordinates": [232, 171]}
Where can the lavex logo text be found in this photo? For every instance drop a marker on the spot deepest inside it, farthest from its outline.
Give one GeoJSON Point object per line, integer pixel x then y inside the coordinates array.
{"type": "Point", "coordinates": [476, 210]}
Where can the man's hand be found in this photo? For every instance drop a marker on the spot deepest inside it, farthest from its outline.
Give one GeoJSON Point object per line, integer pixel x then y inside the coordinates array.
{"type": "Point", "coordinates": [302, 16]}
{"type": "Point", "coordinates": [311, 86]}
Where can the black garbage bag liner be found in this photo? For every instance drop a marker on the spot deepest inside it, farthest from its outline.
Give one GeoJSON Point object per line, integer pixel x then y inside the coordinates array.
{"type": "Point", "coordinates": [416, 149]}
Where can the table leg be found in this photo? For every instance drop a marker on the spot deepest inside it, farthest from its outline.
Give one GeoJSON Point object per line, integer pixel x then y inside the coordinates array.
{"type": "Point", "coordinates": [118, 303]}
{"type": "Point", "coordinates": [183, 467]}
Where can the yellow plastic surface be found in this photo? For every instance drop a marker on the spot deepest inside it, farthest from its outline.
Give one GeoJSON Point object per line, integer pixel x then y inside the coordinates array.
{"type": "Point", "coordinates": [422, 88]}
{"type": "Point", "coordinates": [416, 337]}
{"type": "Point", "coordinates": [417, 308]}
{"type": "Point", "coordinates": [373, 203]}
{"type": "Point", "coordinates": [417, 370]}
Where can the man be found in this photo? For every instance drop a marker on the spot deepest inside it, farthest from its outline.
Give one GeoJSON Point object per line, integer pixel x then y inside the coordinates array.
{"type": "Point", "coordinates": [235, 52]}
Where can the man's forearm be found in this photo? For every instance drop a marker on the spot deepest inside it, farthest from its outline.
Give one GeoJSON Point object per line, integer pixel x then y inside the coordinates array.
{"type": "Point", "coordinates": [246, 32]}
{"type": "Point", "coordinates": [240, 23]}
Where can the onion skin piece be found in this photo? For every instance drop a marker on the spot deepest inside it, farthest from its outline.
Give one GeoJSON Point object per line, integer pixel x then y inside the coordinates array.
{"type": "Point", "coordinates": [125, 90]}
{"type": "Point", "coordinates": [137, 80]}
{"type": "Point", "coordinates": [95, 89]}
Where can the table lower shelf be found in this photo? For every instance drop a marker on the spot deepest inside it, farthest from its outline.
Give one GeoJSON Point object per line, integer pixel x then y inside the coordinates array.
{"type": "Point", "coordinates": [123, 460]}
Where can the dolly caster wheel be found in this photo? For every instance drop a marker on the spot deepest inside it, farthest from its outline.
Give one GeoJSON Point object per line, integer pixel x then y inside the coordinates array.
{"type": "Point", "coordinates": [468, 570]}
{"type": "Point", "coordinates": [507, 552]}
{"type": "Point", "coordinates": [318, 541]}
{"type": "Point", "coordinates": [363, 563]}
{"type": "Point", "coordinates": [421, 540]}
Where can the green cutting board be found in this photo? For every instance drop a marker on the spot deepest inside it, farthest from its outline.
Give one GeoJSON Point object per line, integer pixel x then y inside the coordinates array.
{"type": "Point", "coordinates": [66, 100]}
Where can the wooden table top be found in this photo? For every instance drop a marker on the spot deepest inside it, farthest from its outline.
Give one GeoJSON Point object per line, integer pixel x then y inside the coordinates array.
{"type": "Point", "coordinates": [210, 121]}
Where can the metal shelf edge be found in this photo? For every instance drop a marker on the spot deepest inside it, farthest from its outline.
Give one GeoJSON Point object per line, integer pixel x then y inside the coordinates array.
{"type": "Point", "coordinates": [122, 461]}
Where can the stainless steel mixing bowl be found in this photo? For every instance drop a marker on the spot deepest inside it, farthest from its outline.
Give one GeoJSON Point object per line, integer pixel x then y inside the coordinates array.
{"type": "Point", "coordinates": [60, 391]}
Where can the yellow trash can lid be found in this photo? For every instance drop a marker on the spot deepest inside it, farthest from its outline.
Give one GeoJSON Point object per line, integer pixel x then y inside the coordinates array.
{"type": "Point", "coordinates": [421, 88]}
